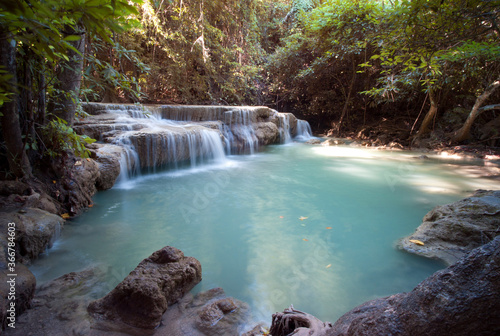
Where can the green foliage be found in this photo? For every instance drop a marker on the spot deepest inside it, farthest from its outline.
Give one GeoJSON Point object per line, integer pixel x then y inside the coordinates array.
{"type": "Point", "coordinates": [59, 139]}
{"type": "Point", "coordinates": [209, 52]}
{"type": "Point", "coordinates": [48, 28]}
{"type": "Point", "coordinates": [122, 73]}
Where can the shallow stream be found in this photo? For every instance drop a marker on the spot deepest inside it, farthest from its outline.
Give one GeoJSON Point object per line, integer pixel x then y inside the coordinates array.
{"type": "Point", "coordinates": [311, 226]}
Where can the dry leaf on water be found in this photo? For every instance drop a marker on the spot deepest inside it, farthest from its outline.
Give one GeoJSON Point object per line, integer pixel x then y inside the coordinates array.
{"type": "Point", "coordinates": [302, 217]}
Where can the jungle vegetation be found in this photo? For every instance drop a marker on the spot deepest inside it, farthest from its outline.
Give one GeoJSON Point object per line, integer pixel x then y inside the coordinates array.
{"type": "Point", "coordinates": [423, 69]}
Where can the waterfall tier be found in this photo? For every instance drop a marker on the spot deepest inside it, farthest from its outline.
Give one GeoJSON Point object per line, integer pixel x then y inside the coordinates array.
{"type": "Point", "coordinates": [166, 136]}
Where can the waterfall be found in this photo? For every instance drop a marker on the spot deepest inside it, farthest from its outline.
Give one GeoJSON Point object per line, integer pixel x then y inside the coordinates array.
{"type": "Point", "coordinates": [285, 127]}
{"type": "Point", "coordinates": [240, 131]}
{"type": "Point", "coordinates": [303, 130]}
{"type": "Point", "coordinates": [171, 137]}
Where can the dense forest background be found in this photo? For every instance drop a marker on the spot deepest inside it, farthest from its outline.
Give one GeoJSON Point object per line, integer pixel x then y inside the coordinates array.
{"type": "Point", "coordinates": [422, 72]}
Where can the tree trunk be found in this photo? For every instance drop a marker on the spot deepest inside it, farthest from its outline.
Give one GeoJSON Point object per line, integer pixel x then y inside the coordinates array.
{"type": "Point", "coordinates": [42, 103]}
{"type": "Point", "coordinates": [424, 127]}
{"type": "Point", "coordinates": [348, 99]}
{"type": "Point", "coordinates": [19, 164]}
{"type": "Point", "coordinates": [69, 79]}
{"type": "Point", "coordinates": [464, 132]}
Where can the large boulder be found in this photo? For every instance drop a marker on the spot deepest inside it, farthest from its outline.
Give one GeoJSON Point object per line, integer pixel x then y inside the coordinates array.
{"type": "Point", "coordinates": [460, 300]}
{"type": "Point", "coordinates": [450, 231]}
{"type": "Point", "coordinates": [35, 231]}
{"type": "Point", "coordinates": [145, 294]}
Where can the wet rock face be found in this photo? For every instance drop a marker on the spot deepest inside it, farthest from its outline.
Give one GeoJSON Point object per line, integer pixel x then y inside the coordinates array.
{"type": "Point", "coordinates": [107, 157]}
{"type": "Point", "coordinates": [450, 231]}
{"type": "Point", "coordinates": [60, 306]}
{"type": "Point", "coordinates": [145, 294]}
{"type": "Point", "coordinates": [35, 231]}
{"type": "Point", "coordinates": [25, 284]}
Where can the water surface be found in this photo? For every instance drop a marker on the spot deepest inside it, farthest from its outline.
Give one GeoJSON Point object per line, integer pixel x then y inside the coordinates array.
{"type": "Point", "coordinates": [315, 227]}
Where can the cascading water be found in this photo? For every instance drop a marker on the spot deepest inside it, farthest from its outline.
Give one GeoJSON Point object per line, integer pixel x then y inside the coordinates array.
{"type": "Point", "coordinates": [285, 128]}
{"type": "Point", "coordinates": [304, 131]}
{"type": "Point", "coordinates": [153, 137]}
{"type": "Point", "coordinates": [240, 128]}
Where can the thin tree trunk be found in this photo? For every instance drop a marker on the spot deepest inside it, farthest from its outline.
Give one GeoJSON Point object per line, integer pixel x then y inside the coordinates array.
{"type": "Point", "coordinates": [348, 99]}
{"type": "Point", "coordinates": [42, 102]}
{"type": "Point", "coordinates": [19, 164]}
{"type": "Point", "coordinates": [424, 127]}
{"type": "Point", "coordinates": [464, 132]}
{"type": "Point", "coordinates": [70, 79]}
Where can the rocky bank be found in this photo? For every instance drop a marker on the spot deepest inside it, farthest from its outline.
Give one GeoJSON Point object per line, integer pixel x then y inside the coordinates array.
{"type": "Point", "coordinates": [448, 232]}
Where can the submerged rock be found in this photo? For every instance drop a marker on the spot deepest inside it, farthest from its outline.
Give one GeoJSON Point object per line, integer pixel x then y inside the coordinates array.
{"type": "Point", "coordinates": [313, 142]}
{"type": "Point", "coordinates": [145, 294]}
{"type": "Point", "coordinates": [448, 232]}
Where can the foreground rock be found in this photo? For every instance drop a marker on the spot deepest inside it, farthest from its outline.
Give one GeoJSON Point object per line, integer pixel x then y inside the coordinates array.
{"type": "Point", "coordinates": [298, 323]}
{"type": "Point", "coordinates": [60, 309]}
{"type": "Point", "coordinates": [461, 300]}
{"type": "Point", "coordinates": [60, 306]}
{"type": "Point", "coordinates": [145, 294]}
{"type": "Point", "coordinates": [448, 232]}
{"type": "Point", "coordinates": [34, 231]}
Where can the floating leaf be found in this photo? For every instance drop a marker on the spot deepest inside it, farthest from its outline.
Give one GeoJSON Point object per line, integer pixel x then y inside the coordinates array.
{"type": "Point", "coordinates": [282, 217]}
{"type": "Point", "coordinates": [302, 225]}
{"type": "Point", "coordinates": [418, 242]}
{"type": "Point", "coordinates": [65, 215]}
{"type": "Point", "coordinates": [328, 266]}
{"type": "Point", "coordinates": [328, 227]}
{"type": "Point", "coordinates": [91, 205]}
{"type": "Point", "coordinates": [302, 217]}
{"type": "Point", "coordinates": [305, 239]}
